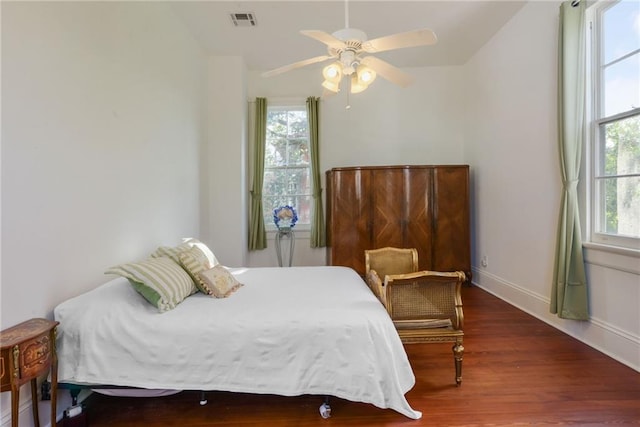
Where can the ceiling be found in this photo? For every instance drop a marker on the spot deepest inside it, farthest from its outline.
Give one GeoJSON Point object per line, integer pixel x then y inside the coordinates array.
{"type": "Point", "coordinates": [462, 27]}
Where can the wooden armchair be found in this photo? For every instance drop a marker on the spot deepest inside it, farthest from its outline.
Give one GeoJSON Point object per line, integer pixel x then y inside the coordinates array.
{"type": "Point", "coordinates": [387, 261]}
{"type": "Point", "coordinates": [425, 306]}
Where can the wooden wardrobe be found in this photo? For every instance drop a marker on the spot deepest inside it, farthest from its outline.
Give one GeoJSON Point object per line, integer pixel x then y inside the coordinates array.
{"type": "Point", "coordinates": [422, 207]}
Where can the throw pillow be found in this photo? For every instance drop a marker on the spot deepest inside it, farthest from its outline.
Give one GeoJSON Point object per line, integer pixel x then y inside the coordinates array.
{"type": "Point", "coordinates": [218, 282]}
{"type": "Point", "coordinates": [160, 281]}
{"type": "Point", "coordinates": [170, 251]}
{"type": "Point", "coordinates": [194, 261]}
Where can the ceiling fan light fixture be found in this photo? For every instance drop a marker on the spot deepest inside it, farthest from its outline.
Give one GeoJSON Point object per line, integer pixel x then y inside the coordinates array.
{"type": "Point", "coordinates": [349, 62]}
{"type": "Point", "coordinates": [332, 72]}
{"type": "Point", "coordinates": [348, 49]}
{"type": "Point", "coordinates": [331, 85]}
{"type": "Point", "coordinates": [356, 85]}
{"type": "Point", "coordinates": [350, 34]}
{"type": "Point", "coordinates": [366, 75]}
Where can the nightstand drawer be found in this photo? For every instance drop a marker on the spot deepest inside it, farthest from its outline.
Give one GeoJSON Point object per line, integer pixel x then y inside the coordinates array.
{"type": "Point", "coordinates": [35, 356]}
{"type": "Point", "coordinates": [5, 380]}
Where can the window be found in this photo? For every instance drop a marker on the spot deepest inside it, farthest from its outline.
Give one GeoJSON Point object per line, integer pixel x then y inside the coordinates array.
{"type": "Point", "coordinates": [287, 168]}
{"type": "Point", "coordinates": [615, 123]}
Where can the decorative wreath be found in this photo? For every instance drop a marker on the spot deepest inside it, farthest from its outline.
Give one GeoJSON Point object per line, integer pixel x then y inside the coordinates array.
{"type": "Point", "coordinates": [285, 217]}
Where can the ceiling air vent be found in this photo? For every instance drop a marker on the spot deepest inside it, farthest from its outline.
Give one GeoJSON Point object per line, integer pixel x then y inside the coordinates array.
{"type": "Point", "coordinates": [244, 19]}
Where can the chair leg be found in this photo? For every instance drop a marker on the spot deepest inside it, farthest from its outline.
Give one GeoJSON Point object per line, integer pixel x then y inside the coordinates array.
{"type": "Point", "coordinates": [458, 351]}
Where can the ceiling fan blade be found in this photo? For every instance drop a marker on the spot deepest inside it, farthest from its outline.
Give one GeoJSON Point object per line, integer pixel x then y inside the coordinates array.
{"type": "Point", "coordinates": [387, 71]}
{"type": "Point", "coordinates": [298, 64]}
{"type": "Point", "coordinates": [325, 38]}
{"type": "Point", "coordinates": [401, 40]}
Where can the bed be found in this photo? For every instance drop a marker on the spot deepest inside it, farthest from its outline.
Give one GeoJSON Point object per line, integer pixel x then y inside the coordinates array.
{"type": "Point", "coordinates": [287, 331]}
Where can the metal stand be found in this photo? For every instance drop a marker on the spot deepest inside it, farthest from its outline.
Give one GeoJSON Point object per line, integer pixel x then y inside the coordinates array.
{"type": "Point", "coordinates": [285, 232]}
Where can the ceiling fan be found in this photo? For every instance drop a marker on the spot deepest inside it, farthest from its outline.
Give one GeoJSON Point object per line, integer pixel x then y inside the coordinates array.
{"type": "Point", "coordinates": [350, 49]}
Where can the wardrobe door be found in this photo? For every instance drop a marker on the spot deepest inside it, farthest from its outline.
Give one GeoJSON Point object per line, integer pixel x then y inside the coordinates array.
{"type": "Point", "coordinates": [389, 210]}
{"type": "Point", "coordinates": [349, 219]}
{"type": "Point", "coordinates": [451, 241]}
{"type": "Point", "coordinates": [419, 218]}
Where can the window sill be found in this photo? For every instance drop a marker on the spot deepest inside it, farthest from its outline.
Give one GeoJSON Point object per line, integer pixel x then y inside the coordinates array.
{"type": "Point", "coordinates": [614, 257]}
{"type": "Point", "coordinates": [612, 249]}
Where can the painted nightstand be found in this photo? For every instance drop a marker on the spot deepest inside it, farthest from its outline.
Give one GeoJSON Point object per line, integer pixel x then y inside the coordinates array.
{"type": "Point", "coordinates": [28, 351]}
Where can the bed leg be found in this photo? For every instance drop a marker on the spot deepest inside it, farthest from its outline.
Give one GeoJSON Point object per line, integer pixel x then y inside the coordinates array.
{"type": "Point", "coordinates": [74, 391]}
{"type": "Point", "coordinates": [203, 398]}
{"type": "Point", "coordinates": [325, 408]}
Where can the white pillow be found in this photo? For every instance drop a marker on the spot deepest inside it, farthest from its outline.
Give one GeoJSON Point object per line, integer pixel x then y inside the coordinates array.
{"type": "Point", "coordinates": [211, 258]}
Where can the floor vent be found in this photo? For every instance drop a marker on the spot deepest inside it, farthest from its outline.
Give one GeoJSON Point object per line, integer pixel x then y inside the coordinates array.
{"type": "Point", "coordinates": [244, 19]}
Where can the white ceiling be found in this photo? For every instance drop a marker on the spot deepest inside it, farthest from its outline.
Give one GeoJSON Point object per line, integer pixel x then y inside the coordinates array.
{"type": "Point", "coordinates": [462, 27]}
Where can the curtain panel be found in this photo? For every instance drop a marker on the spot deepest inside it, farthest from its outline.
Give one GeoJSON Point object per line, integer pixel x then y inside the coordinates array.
{"type": "Point", "coordinates": [257, 233]}
{"type": "Point", "coordinates": [318, 239]}
{"type": "Point", "coordinates": [569, 299]}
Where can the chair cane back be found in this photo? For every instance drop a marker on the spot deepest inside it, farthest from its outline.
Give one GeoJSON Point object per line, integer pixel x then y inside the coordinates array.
{"type": "Point", "coordinates": [385, 261]}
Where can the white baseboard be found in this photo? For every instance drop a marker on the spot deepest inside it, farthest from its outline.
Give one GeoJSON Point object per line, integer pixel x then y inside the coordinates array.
{"type": "Point", "coordinates": [597, 333]}
{"type": "Point", "coordinates": [25, 416]}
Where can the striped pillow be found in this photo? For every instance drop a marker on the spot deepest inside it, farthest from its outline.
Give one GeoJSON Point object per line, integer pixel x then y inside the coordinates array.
{"type": "Point", "coordinates": [175, 251]}
{"type": "Point", "coordinates": [194, 261]}
{"type": "Point", "coordinates": [160, 281]}
{"type": "Point", "coordinates": [170, 252]}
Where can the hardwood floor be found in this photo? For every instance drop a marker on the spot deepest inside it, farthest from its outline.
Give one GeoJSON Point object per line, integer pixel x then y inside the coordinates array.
{"type": "Point", "coordinates": [517, 370]}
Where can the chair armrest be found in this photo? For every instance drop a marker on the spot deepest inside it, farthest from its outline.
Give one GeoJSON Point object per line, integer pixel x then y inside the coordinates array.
{"type": "Point", "coordinates": [375, 284]}
{"type": "Point", "coordinates": [457, 275]}
{"type": "Point", "coordinates": [425, 295]}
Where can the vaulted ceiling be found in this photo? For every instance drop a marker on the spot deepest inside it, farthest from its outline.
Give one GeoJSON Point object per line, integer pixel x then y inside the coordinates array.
{"type": "Point", "coordinates": [462, 27]}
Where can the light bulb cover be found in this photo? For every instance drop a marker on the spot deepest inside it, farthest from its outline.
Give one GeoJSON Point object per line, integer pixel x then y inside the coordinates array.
{"type": "Point", "coordinates": [332, 72]}
{"type": "Point", "coordinates": [332, 86]}
{"type": "Point", "coordinates": [366, 75]}
{"type": "Point", "coordinates": [356, 85]}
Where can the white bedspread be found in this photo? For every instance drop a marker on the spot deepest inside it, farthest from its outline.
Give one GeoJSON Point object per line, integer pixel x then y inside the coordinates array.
{"type": "Point", "coordinates": [288, 331]}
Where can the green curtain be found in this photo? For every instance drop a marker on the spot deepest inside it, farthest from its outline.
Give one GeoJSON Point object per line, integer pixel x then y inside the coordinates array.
{"type": "Point", "coordinates": [317, 217]}
{"type": "Point", "coordinates": [257, 233]}
{"type": "Point", "coordinates": [569, 299]}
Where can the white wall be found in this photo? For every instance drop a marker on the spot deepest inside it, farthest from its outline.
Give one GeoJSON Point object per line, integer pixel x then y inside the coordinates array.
{"type": "Point", "coordinates": [224, 195]}
{"type": "Point", "coordinates": [102, 120]}
{"type": "Point", "coordinates": [385, 125]}
{"type": "Point", "coordinates": [510, 142]}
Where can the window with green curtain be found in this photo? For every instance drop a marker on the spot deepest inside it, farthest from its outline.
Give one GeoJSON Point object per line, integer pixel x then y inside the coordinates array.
{"type": "Point", "coordinates": [286, 168]}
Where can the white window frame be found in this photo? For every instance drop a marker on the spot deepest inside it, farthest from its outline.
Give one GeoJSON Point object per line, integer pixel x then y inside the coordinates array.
{"type": "Point", "coordinates": [289, 105]}
{"type": "Point", "coordinates": [594, 123]}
